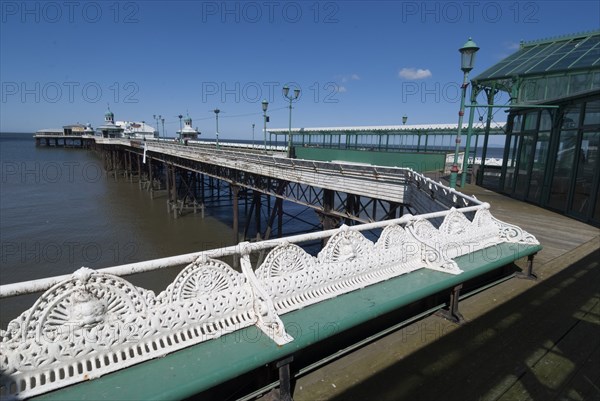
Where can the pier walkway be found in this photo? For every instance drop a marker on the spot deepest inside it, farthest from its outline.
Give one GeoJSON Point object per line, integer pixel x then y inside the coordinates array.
{"type": "Point", "coordinates": [523, 340]}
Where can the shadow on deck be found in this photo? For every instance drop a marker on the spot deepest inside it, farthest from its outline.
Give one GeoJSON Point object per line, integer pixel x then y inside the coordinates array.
{"type": "Point", "coordinates": [543, 344]}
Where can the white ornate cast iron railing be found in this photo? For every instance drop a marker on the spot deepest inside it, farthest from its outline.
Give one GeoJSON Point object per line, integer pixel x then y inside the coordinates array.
{"type": "Point", "coordinates": [94, 322]}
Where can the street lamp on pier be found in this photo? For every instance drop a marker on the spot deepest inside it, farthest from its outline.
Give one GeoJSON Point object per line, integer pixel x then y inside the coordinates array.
{"type": "Point", "coordinates": [467, 58]}
{"type": "Point", "coordinates": [265, 106]}
{"type": "Point", "coordinates": [163, 127]}
{"type": "Point", "coordinates": [291, 98]}
{"type": "Point", "coordinates": [180, 127]}
{"type": "Point", "coordinates": [252, 135]}
{"type": "Point", "coordinates": [217, 111]}
{"type": "Point", "coordinates": [404, 118]}
{"type": "Point", "coordinates": [157, 119]}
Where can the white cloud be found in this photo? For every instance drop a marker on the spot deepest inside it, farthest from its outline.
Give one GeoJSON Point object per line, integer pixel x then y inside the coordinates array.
{"type": "Point", "coordinates": [412, 73]}
{"type": "Point", "coordinates": [348, 77]}
{"type": "Point", "coordinates": [341, 89]}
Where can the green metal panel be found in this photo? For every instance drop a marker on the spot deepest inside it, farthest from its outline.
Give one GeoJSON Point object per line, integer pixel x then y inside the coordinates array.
{"type": "Point", "coordinates": [418, 161]}
{"type": "Point", "coordinates": [200, 367]}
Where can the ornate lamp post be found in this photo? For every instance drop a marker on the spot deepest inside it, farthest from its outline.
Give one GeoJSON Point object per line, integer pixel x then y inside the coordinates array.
{"type": "Point", "coordinates": [217, 111]}
{"type": "Point", "coordinates": [467, 58]}
{"type": "Point", "coordinates": [404, 118]}
{"type": "Point", "coordinates": [157, 119]}
{"type": "Point", "coordinates": [265, 106]}
{"type": "Point", "coordinates": [180, 128]}
{"type": "Point", "coordinates": [163, 127]}
{"type": "Point", "coordinates": [291, 98]}
{"type": "Point", "coordinates": [252, 135]}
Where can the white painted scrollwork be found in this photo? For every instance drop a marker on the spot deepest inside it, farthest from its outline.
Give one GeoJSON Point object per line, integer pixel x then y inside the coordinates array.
{"type": "Point", "coordinates": [267, 319]}
{"type": "Point", "coordinates": [506, 232]}
{"type": "Point", "coordinates": [399, 249]}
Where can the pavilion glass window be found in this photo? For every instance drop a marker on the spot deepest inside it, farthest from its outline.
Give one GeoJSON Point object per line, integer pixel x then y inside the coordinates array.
{"type": "Point", "coordinates": [565, 158]}
{"type": "Point", "coordinates": [557, 86]}
{"type": "Point", "coordinates": [540, 157]}
{"type": "Point", "coordinates": [525, 153]}
{"type": "Point", "coordinates": [513, 142]}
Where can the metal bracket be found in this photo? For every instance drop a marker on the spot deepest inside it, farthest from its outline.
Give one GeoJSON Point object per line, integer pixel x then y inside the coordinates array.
{"type": "Point", "coordinates": [528, 273]}
{"type": "Point", "coordinates": [452, 312]}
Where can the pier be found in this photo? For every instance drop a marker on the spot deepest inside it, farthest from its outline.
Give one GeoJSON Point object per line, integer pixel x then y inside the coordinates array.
{"type": "Point", "coordinates": [340, 192]}
{"type": "Point", "coordinates": [447, 250]}
{"type": "Point", "coordinates": [398, 248]}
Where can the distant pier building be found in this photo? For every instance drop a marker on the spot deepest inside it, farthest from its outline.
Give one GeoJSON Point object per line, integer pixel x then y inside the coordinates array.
{"type": "Point", "coordinates": [187, 132]}
{"type": "Point", "coordinates": [137, 129]}
{"type": "Point", "coordinates": [110, 129]}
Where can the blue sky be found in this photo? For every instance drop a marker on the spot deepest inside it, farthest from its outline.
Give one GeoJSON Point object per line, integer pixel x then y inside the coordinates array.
{"type": "Point", "coordinates": [356, 62]}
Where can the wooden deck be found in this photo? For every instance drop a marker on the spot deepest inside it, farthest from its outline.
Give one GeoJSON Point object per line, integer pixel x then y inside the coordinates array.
{"type": "Point", "coordinates": [557, 233]}
{"type": "Point", "coordinates": [523, 340]}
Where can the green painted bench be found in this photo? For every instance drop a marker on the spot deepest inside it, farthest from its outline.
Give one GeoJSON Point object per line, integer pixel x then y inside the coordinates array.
{"type": "Point", "coordinates": [200, 367]}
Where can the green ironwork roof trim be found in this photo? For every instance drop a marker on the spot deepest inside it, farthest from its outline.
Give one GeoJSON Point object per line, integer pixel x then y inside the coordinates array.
{"type": "Point", "coordinates": [548, 56]}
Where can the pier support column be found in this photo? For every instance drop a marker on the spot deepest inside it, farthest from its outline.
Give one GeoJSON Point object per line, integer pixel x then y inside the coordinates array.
{"type": "Point", "coordinates": [328, 222]}
{"type": "Point", "coordinates": [257, 213]}
{"type": "Point", "coordinates": [272, 216]}
{"type": "Point", "coordinates": [393, 211]}
{"type": "Point", "coordinates": [151, 178]}
{"type": "Point", "coordinates": [115, 163]}
{"type": "Point", "coordinates": [202, 193]}
{"type": "Point", "coordinates": [174, 191]}
{"type": "Point", "coordinates": [167, 179]}
{"type": "Point", "coordinates": [351, 206]}
{"type": "Point", "coordinates": [139, 169]}
{"type": "Point", "coordinates": [279, 206]}
{"type": "Point", "coordinates": [130, 166]}
{"type": "Point", "coordinates": [276, 211]}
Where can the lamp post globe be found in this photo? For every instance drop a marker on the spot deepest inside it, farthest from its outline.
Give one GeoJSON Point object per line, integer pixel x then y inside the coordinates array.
{"type": "Point", "coordinates": [467, 55]}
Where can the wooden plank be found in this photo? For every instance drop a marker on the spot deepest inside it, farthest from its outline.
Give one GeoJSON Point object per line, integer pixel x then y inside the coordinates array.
{"type": "Point", "coordinates": [557, 233]}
